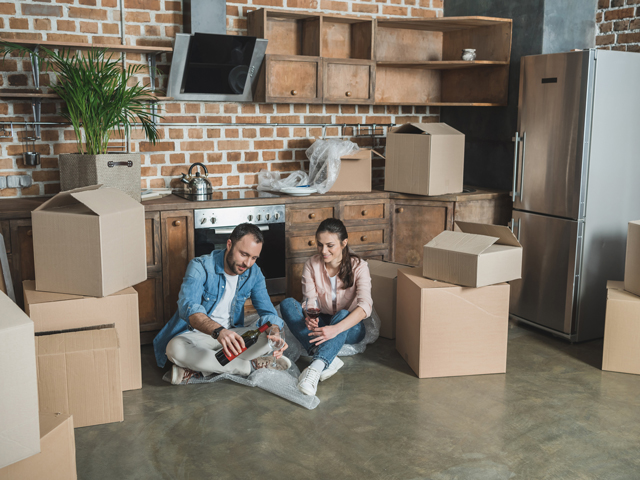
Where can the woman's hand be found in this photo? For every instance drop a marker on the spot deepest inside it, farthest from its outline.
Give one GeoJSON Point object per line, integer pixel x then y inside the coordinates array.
{"type": "Point", "coordinates": [311, 323]}
{"type": "Point", "coordinates": [322, 334]}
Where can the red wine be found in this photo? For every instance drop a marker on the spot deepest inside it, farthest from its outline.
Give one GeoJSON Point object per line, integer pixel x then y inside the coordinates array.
{"type": "Point", "coordinates": [250, 337]}
{"type": "Point", "coordinates": [313, 313]}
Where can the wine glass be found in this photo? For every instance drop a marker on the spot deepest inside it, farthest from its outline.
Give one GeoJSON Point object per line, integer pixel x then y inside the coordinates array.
{"type": "Point", "coordinates": [275, 336]}
{"type": "Point", "coordinates": [311, 308]}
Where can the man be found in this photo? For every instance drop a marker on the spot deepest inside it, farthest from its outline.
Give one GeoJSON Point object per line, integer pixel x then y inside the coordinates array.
{"type": "Point", "coordinates": [211, 311]}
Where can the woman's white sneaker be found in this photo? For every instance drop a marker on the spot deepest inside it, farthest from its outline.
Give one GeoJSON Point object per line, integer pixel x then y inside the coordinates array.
{"type": "Point", "coordinates": [308, 381]}
{"type": "Point", "coordinates": [333, 367]}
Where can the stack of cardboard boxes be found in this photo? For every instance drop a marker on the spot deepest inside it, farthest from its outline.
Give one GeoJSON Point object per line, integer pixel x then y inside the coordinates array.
{"type": "Point", "coordinates": [621, 352]}
{"type": "Point", "coordinates": [80, 348]}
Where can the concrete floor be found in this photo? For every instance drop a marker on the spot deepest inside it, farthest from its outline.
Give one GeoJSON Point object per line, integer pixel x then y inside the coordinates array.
{"type": "Point", "coordinates": [555, 415]}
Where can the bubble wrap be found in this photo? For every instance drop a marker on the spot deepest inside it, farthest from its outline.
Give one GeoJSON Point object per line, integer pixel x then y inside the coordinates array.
{"type": "Point", "coordinates": [284, 383]}
{"type": "Point", "coordinates": [324, 161]}
{"type": "Point", "coordinates": [272, 182]}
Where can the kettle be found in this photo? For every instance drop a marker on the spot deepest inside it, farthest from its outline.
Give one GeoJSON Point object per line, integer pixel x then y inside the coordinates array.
{"type": "Point", "coordinates": [198, 188]}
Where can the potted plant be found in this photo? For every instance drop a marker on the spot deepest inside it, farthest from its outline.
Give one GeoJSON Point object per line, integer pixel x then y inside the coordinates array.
{"type": "Point", "coordinates": [100, 97]}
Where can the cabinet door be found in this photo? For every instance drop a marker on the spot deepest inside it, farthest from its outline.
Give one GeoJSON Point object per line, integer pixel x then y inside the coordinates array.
{"type": "Point", "coordinates": [414, 224]}
{"type": "Point", "coordinates": [150, 303]}
{"type": "Point", "coordinates": [22, 261]}
{"type": "Point", "coordinates": [294, 277]}
{"type": "Point", "coordinates": [293, 79]}
{"type": "Point", "coordinates": [348, 81]}
{"type": "Point", "coordinates": [177, 250]}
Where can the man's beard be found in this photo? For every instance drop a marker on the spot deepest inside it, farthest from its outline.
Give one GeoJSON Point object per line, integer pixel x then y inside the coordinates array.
{"type": "Point", "coordinates": [232, 266]}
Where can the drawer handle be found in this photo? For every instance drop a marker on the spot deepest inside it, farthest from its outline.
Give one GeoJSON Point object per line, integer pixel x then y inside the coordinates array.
{"type": "Point", "coordinates": [400, 210]}
{"type": "Point", "coordinates": [294, 92]}
{"type": "Point", "coordinates": [348, 94]}
{"type": "Point", "coordinates": [364, 213]}
{"type": "Point", "coordinates": [29, 233]}
{"type": "Point", "coordinates": [363, 238]}
{"type": "Point", "coordinates": [176, 223]}
{"type": "Point", "coordinates": [312, 216]}
{"type": "Point", "coordinates": [312, 243]}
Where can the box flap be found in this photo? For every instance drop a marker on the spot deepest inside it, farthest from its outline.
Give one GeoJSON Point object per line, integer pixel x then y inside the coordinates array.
{"type": "Point", "coordinates": [462, 242]}
{"type": "Point", "coordinates": [363, 153]}
{"type": "Point", "coordinates": [51, 421]}
{"type": "Point", "coordinates": [76, 341]}
{"type": "Point", "coordinates": [504, 234]}
{"type": "Point", "coordinates": [415, 275]}
{"type": "Point", "coordinates": [35, 297]}
{"type": "Point", "coordinates": [385, 269]}
{"type": "Point", "coordinates": [107, 200]}
{"type": "Point", "coordinates": [12, 316]}
{"type": "Point", "coordinates": [616, 291]}
{"type": "Point", "coordinates": [426, 128]}
{"type": "Point", "coordinates": [65, 198]}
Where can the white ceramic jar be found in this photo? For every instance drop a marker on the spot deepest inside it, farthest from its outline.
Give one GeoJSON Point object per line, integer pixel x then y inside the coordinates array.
{"type": "Point", "coordinates": [469, 54]}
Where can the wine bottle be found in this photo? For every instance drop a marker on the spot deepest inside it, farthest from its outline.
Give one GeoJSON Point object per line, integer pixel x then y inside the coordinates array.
{"type": "Point", "coordinates": [250, 337]}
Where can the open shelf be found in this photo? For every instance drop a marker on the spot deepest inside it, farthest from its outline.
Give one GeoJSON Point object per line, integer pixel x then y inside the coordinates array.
{"type": "Point", "coordinates": [289, 33]}
{"type": "Point", "coordinates": [441, 65]}
{"type": "Point", "coordinates": [87, 46]}
{"type": "Point", "coordinates": [346, 37]}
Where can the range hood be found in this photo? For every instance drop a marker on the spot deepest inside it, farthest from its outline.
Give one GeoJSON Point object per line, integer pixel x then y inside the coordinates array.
{"type": "Point", "coordinates": [207, 64]}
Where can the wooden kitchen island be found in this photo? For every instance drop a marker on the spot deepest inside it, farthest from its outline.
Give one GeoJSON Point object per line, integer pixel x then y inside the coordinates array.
{"type": "Point", "coordinates": [382, 225]}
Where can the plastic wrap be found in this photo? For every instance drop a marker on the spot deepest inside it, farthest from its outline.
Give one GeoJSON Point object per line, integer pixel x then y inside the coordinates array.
{"type": "Point", "coordinates": [271, 181]}
{"type": "Point", "coordinates": [324, 157]}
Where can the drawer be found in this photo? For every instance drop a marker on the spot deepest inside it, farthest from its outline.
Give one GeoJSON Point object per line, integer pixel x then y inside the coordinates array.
{"type": "Point", "coordinates": [308, 216]}
{"type": "Point", "coordinates": [301, 243]}
{"type": "Point", "coordinates": [348, 81]}
{"type": "Point", "coordinates": [293, 79]}
{"type": "Point", "coordinates": [363, 212]}
{"type": "Point", "coordinates": [366, 237]}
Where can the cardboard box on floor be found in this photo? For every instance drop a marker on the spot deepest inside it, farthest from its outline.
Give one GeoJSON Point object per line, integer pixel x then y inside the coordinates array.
{"type": "Point", "coordinates": [79, 374]}
{"type": "Point", "coordinates": [89, 241]}
{"type": "Point", "coordinates": [53, 312]}
{"type": "Point", "coordinates": [57, 457]}
{"type": "Point", "coordinates": [355, 172]}
{"type": "Point", "coordinates": [424, 159]}
{"type": "Point", "coordinates": [19, 431]}
{"type": "Point", "coordinates": [383, 290]}
{"type": "Point", "coordinates": [445, 330]}
{"type": "Point", "coordinates": [477, 256]}
{"type": "Point", "coordinates": [621, 350]}
{"type": "Point", "coordinates": [632, 260]}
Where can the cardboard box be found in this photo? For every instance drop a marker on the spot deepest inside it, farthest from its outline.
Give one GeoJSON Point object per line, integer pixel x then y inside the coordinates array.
{"type": "Point", "coordinates": [89, 241]}
{"type": "Point", "coordinates": [19, 431]}
{"type": "Point", "coordinates": [477, 256]}
{"type": "Point", "coordinates": [444, 330]}
{"type": "Point", "coordinates": [621, 351]}
{"type": "Point", "coordinates": [53, 312]}
{"type": "Point", "coordinates": [355, 172]}
{"type": "Point", "coordinates": [383, 290]}
{"type": "Point", "coordinates": [632, 260]}
{"type": "Point", "coordinates": [57, 458]}
{"type": "Point", "coordinates": [79, 374]}
{"type": "Point", "coordinates": [424, 159]}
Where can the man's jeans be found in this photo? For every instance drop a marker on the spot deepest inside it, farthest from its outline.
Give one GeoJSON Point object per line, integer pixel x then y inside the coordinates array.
{"type": "Point", "coordinates": [293, 316]}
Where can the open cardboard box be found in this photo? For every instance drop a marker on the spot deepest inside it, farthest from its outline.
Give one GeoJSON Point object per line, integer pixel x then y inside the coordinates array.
{"type": "Point", "coordinates": [424, 159]}
{"type": "Point", "coordinates": [632, 260]}
{"type": "Point", "coordinates": [477, 256]}
{"type": "Point", "coordinates": [383, 289]}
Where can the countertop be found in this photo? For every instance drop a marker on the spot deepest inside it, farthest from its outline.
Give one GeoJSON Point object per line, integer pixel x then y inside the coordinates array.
{"type": "Point", "coordinates": [11, 208]}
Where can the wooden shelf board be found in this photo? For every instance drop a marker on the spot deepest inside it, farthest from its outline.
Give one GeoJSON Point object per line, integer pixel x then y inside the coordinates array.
{"type": "Point", "coordinates": [86, 46]}
{"type": "Point", "coordinates": [28, 95]}
{"type": "Point", "coordinates": [441, 64]}
{"type": "Point", "coordinates": [444, 104]}
{"type": "Point", "coordinates": [443, 24]}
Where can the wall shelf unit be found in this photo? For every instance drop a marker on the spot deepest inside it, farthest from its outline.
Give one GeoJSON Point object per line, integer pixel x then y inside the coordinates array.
{"type": "Point", "coordinates": [412, 62]}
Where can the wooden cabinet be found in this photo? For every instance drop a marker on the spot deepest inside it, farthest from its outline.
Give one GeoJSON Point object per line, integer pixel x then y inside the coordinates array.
{"type": "Point", "coordinates": [290, 79]}
{"type": "Point", "coordinates": [308, 215]}
{"type": "Point", "coordinates": [177, 250]}
{"type": "Point", "coordinates": [348, 81]}
{"type": "Point", "coordinates": [22, 255]}
{"type": "Point", "coordinates": [415, 223]}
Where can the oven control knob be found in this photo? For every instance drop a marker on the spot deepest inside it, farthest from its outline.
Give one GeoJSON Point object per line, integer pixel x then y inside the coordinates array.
{"type": "Point", "coordinates": [257, 217]}
{"type": "Point", "coordinates": [249, 217]}
{"type": "Point", "coordinates": [266, 217]}
{"type": "Point", "coordinates": [276, 216]}
{"type": "Point", "coordinates": [213, 220]}
{"type": "Point", "coordinates": [203, 220]}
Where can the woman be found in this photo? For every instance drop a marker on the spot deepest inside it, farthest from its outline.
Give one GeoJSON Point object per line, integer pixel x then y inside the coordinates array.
{"type": "Point", "coordinates": [341, 283]}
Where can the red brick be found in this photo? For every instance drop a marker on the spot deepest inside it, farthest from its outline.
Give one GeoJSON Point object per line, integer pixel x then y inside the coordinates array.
{"type": "Point", "coordinates": [192, 108]}
{"type": "Point", "coordinates": [250, 180]}
{"type": "Point", "coordinates": [250, 156]}
{"type": "Point", "coordinates": [317, 119]}
{"type": "Point", "coordinates": [268, 156]}
{"type": "Point", "coordinates": [109, 3]}
{"type": "Point", "coordinates": [617, 3]}
{"type": "Point", "coordinates": [18, 80]}
{"type": "Point", "coordinates": [197, 157]}
{"type": "Point", "coordinates": [158, 147]}
{"type": "Point", "coordinates": [283, 132]}
{"type": "Point", "coordinates": [635, 24]}
{"type": "Point", "coordinates": [176, 133]}
{"type": "Point", "coordinates": [230, 108]}
{"type": "Point", "coordinates": [212, 108]}
{"type": "Point", "coordinates": [266, 108]}
{"type": "Point", "coordinates": [173, 6]}
{"type": "Point", "coordinates": [231, 133]}
{"type": "Point", "coordinates": [21, 36]}
{"type": "Point", "coordinates": [175, 18]}
{"type": "Point", "coordinates": [67, 38]}
{"type": "Point", "coordinates": [316, 108]}
{"type": "Point", "coordinates": [171, 31]}
{"type": "Point", "coordinates": [299, 143]}
{"type": "Point", "coordinates": [234, 157]}
{"type": "Point", "coordinates": [45, 176]}
{"type": "Point", "coordinates": [142, 4]}
{"type": "Point", "coordinates": [133, 30]}
{"type": "Point", "coordinates": [233, 145]}
{"type": "Point", "coordinates": [149, 171]}
{"type": "Point", "coordinates": [332, 5]}
{"type": "Point", "coordinates": [213, 133]}
{"type": "Point", "coordinates": [403, 11]}
{"type": "Point", "coordinates": [251, 167]}
{"type": "Point", "coordinates": [42, 23]}
{"type": "Point", "coordinates": [620, 13]}
{"type": "Point", "coordinates": [89, 13]}
{"type": "Point", "coordinates": [19, 23]}
{"type": "Point", "coordinates": [285, 119]}
{"type": "Point", "coordinates": [8, 9]}
{"type": "Point", "coordinates": [624, 38]}
{"type": "Point", "coordinates": [152, 31]}
{"type": "Point", "coordinates": [51, 188]}
{"type": "Point", "coordinates": [157, 183]}
{"type": "Point", "coordinates": [88, 3]}
{"type": "Point", "coordinates": [249, 133]}
{"type": "Point", "coordinates": [283, 108]}
{"type": "Point", "coordinates": [177, 158]}
{"type": "Point", "coordinates": [174, 171]}
{"type": "Point", "coordinates": [157, 158]}
{"type": "Point", "coordinates": [233, 180]}
{"type": "Point", "coordinates": [41, 10]}
{"type": "Point", "coordinates": [110, 28]}
{"type": "Point", "coordinates": [138, 17]}
{"type": "Point", "coordinates": [300, 108]}
{"type": "Point", "coordinates": [621, 25]}
{"type": "Point", "coordinates": [214, 157]}
{"type": "Point", "coordinates": [599, 17]}
{"type": "Point", "coordinates": [8, 192]}
{"type": "Point", "coordinates": [285, 167]}
{"type": "Point", "coordinates": [88, 27]}
{"type": "Point", "coordinates": [307, 4]}
{"type": "Point", "coordinates": [196, 133]}
{"type": "Point", "coordinates": [364, 8]}
{"type": "Point", "coordinates": [196, 146]}
{"type": "Point", "coordinates": [215, 119]}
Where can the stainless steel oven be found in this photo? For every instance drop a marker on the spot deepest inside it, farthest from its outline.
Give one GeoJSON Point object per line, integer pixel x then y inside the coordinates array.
{"type": "Point", "coordinates": [213, 226]}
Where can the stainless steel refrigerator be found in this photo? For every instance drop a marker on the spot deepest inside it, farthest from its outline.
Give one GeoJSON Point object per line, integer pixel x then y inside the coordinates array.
{"type": "Point", "coordinates": [576, 185]}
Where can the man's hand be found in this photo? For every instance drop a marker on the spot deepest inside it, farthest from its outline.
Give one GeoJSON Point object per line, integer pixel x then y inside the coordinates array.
{"type": "Point", "coordinates": [231, 342]}
{"type": "Point", "coordinates": [278, 353]}
{"type": "Point", "coordinates": [322, 334]}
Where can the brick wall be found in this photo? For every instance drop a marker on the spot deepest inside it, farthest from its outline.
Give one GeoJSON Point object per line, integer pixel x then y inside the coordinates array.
{"type": "Point", "coordinates": [618, 24]}
{"type": "Point", "coordinates": [233, 154]}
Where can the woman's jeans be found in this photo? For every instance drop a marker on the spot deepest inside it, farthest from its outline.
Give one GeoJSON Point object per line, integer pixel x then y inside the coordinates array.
{"type": "Point", "coordinates": [293, 316]}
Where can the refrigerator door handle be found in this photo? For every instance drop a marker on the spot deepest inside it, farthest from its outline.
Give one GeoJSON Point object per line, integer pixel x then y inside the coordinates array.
{"type": "Point", "coordinates": [514, 193]}
{"type": "Point", "coordinates": [524, 146]}
{"type": "Point", "coordinates": [519, 229]}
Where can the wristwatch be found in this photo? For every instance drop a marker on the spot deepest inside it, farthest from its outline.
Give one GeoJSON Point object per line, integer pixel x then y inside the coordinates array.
{"type": "Point", "coordinates": [216, 333]}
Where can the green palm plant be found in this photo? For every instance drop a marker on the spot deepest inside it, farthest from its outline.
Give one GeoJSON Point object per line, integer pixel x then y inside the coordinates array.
{"type": "Point", "coordinates": [97, 94]}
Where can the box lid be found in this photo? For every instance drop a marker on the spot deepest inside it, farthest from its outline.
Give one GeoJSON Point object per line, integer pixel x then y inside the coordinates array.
{"type": "Point", "coordinates": [35, 297]}
{"type": "Point", "coordinates": [385, 269]}
{"type": "Point", "coordinates": [97, 198]}
{"type": "Point", "coordinates": [70, 342]}
{"type": "Point", "coordinates": [415, 275]}
{"type": "Point", "coordinates": [426, 128]}
{"type": "Point", "coordinates": [462, 242]}
{"type": "Point", "coordinates": [504, 234]}
{"type": "Point", "coordinates": [362, 154]}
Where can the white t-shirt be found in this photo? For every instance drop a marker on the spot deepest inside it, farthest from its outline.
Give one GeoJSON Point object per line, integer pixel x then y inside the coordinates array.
{"type": "Point", "coordinates": [221, 311]}
{"type": "Point", "coordinates": [334, 287]}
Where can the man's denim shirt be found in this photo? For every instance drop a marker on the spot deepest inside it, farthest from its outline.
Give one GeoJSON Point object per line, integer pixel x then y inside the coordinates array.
{"type": "Point", "coordinates": [202, 286]}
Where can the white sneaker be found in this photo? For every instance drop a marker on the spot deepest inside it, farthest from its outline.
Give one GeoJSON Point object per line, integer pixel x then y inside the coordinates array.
{"type": "Point", "coordinates": [333, 367]}
{"type": "Point", "coordinates": [283, 363]}
{"type": "Point", "coordinates": [179, 374]}
{"type": "Point", "coordinates": [308, 381]}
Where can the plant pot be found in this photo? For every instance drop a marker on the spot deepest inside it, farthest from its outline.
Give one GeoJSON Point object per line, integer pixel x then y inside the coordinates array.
{"type": "Point", "coordinates": [115, 170]}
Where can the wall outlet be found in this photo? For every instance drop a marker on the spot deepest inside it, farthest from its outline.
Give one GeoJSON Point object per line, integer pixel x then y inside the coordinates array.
{"type": "Point", "coordinates": [13, 181]}
{"type": "Point", "coordinates": [3, 182]}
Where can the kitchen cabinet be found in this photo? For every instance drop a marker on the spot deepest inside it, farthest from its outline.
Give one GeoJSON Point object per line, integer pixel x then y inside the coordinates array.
{"type": "Point", "coordinates": [22, 255]}
{"type": "Point", "coordinates": [348, 81]}
{"type": "Point", "coordinates": [290, 79]}
{"type": "Point", "coordinates": [416, 223]}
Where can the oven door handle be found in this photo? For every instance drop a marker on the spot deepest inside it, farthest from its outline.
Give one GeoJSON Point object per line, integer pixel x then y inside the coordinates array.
{"type": "Point", "coordinates": [216, 231]}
